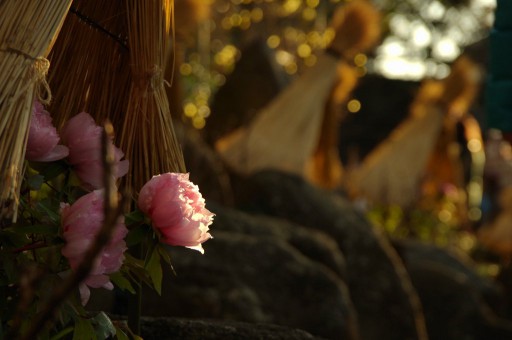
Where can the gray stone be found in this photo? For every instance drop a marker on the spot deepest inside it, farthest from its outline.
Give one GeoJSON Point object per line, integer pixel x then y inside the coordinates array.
{"type": "Point", "coordinates": [254, 279]}
{"type": "Point", "coordinates": [415, 252]}
{"type": "Point", "coordinates": [454, 297]}
{"type": "Point", "coordinates": [385, 301]}
{"type": "Point", "coordinates": [186, 329]}
{"type": "Point", "coordinates": [314, 244]}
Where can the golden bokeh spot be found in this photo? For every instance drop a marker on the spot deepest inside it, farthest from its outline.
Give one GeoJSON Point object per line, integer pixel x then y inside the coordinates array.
{"type": "Point", "coordinates": [257, 14]}
{"type": "Point", "coordinates": [236, 19]}
{"type": "Point", "coordinates": [329, 34]}
{"type": "Point", "coordinates": [354, 106]}
{"type": "Point", "coordinates": [273, 41]}
{"type": "Point", "coordinates": [304, 50]}
{"type": "Point", "coordinates": [226, 23]}
{"type": "Point", "coordinates": [474, 145]}
{"type": "Point", "coordinates": [204, 111]}
{"type": "Point", "coordinates": [198, 122]}
{"type": "Point", "coordinates": [309, 14]}
{"type": "Point", "coordinates": [290, 6]}
{"type": "Point", "coordinates": [185, 69]}
{"type": "Point", "coordinates": [190, 109]}
{"type": "Point", "coordinates": [314, 38]}
{"type": "Point", "coordinates": [361, 71]}
{"type": "Point", "coordinates": [444, 216]}
{"type": "Point", "coordinates": [291, 68]}
{"type": "Point", "coordinates": [360, 59]}
{"type": "Point", "coordinates": [474, 214]}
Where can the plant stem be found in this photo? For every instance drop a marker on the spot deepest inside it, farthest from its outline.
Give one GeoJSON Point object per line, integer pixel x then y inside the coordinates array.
{"type": "Point", "coordinates": [135, 300]}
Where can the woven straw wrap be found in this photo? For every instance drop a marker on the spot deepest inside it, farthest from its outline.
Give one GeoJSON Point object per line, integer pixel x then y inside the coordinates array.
{"type": "Point", "coordinates": [27, 32]}
{"type": "Point", "coordinates": [117, 51]}
{"type": "Point", "coordinates": [147, 135]}
{"type": "Point", "coordinates": [90, 63]}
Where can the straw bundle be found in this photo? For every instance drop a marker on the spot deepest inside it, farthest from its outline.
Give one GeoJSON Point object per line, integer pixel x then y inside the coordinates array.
{"type": "Point", "coordinates": [392, 172]}
{"type": "Point", "coordinates": [147, 136]}
{"type": "Point", "coordinates": [27, 32]}
{"type": "Point", "coordinates": [285, 133]}
{"type": "Point", "coordinates": [90, 59]}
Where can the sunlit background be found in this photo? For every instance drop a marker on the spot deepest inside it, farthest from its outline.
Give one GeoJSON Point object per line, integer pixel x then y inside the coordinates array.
{"type": "Point", "coordinates": [421, 38]}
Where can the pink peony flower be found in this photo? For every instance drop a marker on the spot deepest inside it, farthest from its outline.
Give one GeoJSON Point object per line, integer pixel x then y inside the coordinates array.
{"type": "Point", "coordinates": [83, 137]}
{"type": "Point", "coordinates": [43, 138]}
{"type": "Point", "coordinates": [177, 210]}
{"type": "Point", "coordinates": [80, 223]}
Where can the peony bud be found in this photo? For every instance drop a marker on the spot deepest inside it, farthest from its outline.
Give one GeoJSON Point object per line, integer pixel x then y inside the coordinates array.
{"type": "Point", "coordinates": [177, 210]}
{"type": "Point", "coordinates": [81, 223]}
{"type": "Point", "coordinates": [83, 137]}
{"type": "Point", "coordinates": [43, 138]}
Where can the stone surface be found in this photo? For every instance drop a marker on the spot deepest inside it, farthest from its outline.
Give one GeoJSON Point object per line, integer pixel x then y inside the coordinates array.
{"type": "Point", "coordinates": [382, 293]}
{"type": "Point", "coordinates": [415, 252]}
{"type": "Point", "coordinates": [453, 308]}
{"type": "Point", "coordinates": [312, 243]}
{"type": "Point", "coordinates": [204, 165]}
{"type": "Point", "coordinates": [186, 329]}
{"type": "Point", "coordinates": [254, 279]}
{"type": "Point", "coordinates": [455, 298]}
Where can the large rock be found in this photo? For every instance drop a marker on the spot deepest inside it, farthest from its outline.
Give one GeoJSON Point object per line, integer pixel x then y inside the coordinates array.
{"type": "Point", "coordinates": [205, 167]}
{"type": "Point", "coordinates": [418, 253]}
{"type": "Point", "coordinates": [186, 329]}
{"type": "Point", "coordinates": [386, 303]}
{"type": "Point", "coordinates": [314, 244]}
{"type": "Point", "coordinates": [452, 294]}
{"type": "Point", "coordinates": [254, 279]}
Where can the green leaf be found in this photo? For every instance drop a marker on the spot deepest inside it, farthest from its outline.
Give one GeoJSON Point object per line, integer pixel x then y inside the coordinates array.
{"type": "Point", "coordinates": [122, 282]}
{"type": "Point", "coordinates": [54, 169]}
{"type": "Point", "coordinates": [154, 269]}
{"type": "Point", "coordinates": [35, 182]}
{"type": "Point", "coordinates": [52, 214]}
{"type": "Point", "coordinates": [84, 330]}
{"type": "Point", "coordinates": [137, 235]}
{"type": "Point", "coordinates": [11, 238]}
{"type": "Point", "coordinates": [120, 334]}
{"type": "Point", "coordinates": [164, 253]}
{"type": "Point", "coordinates": [62, 333]}
{"type": "Point", "coordinates": [136, 269]}
{"type": "Point", "coordinates": [135, 216]}
{"type": "Point", "coordinates": [103, 326]}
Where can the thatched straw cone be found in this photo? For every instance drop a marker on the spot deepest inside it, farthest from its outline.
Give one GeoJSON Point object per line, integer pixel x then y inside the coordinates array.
{"type": "Point", "coordinates": [90, 59]}
{"type": "Point", "coordinates": [148, 137]}
{"type": "Point", "coordinates": [27, 32]}
{"type": "Point", "coordinates": [393, 171]}
{"type": "Point", "coordinates": [285, 133]}
{"type": "Point", "coordinates": [324, 168]}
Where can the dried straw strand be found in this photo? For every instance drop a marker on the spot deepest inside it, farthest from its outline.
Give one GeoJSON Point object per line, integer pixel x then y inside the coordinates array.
{"type": "Point", "coordinates": [148, 137]}
{"type": "Point", "coordinates": [27, 33]}
{"type": "Point", "coordinates": [90, 61]}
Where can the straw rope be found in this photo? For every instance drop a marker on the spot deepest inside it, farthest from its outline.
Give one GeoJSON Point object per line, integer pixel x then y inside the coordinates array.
{"type": "Point", "coordinates": [148, 136]}
{"type": "Point", "coordinates": [27, 33]}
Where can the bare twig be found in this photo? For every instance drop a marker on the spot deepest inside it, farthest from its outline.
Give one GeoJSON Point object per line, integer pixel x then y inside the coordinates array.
{"type": "Point", "coordinates": [112, 211]}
